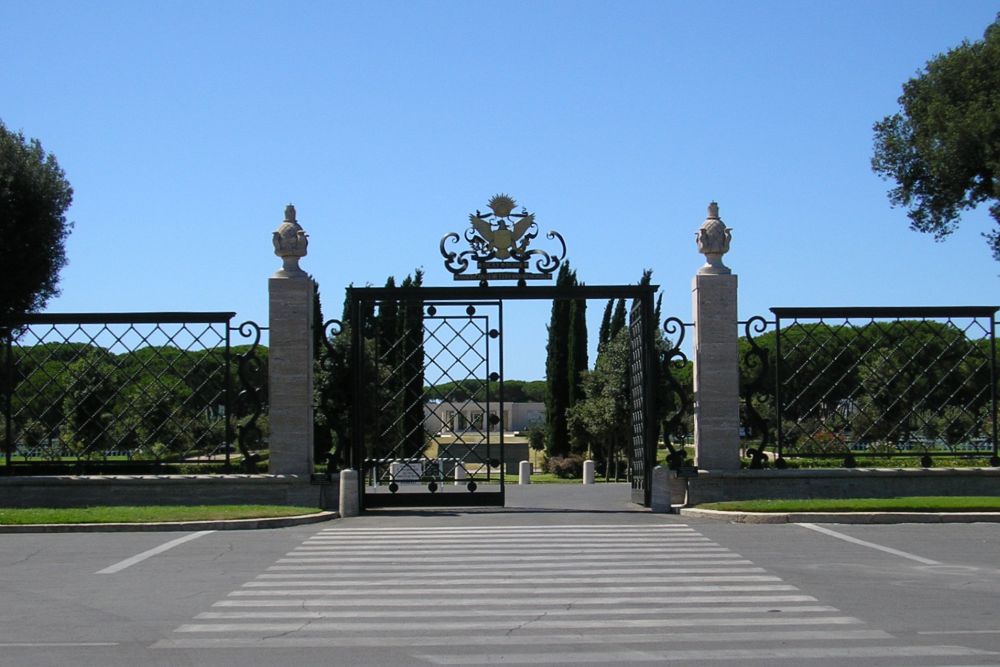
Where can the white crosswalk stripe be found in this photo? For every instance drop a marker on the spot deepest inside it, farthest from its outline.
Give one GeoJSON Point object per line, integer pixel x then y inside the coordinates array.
{"type": "Point", "coordinates": [562, 594]}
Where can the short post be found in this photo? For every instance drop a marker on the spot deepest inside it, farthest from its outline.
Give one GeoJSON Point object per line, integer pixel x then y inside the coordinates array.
{"type": "Point", "coordinates": [461, 474]}
{"type": "Point", "coordinates": [660, 493]}
{"type": "Point", "coordinates": [349, 500]}
{"type": "Point", "coordinates": [716, 356]}
{"type": "Point", "coordinates": [524, 472]}
{"type": "Point", "coordinates": [588, 472]}
{"type": "Point", "coordinates": [290, 359]}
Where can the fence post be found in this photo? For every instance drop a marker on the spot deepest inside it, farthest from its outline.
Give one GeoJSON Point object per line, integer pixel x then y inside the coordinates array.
{"type": "Point", "coordinates": [290, 354]}
{"type": "Point", "coordinates": [716, 352]}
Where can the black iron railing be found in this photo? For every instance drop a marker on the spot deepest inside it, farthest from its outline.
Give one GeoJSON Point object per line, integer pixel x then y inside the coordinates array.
{"type": "Point", "coordinates": [870, 382]}
{"type": "Point", "coordinates": [130, 392]}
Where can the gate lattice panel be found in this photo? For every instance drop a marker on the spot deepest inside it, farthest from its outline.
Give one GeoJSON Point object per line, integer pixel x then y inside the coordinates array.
{"type": "Point", "coordinates": [642, 453]}
{"type": "Point", "coordinates": [432, 422]}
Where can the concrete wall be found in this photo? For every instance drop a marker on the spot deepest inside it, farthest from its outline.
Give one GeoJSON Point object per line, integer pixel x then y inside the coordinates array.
{"type": "Point", "coordinates": [712, 486]}
{"type": "Point", "coordinates": [80, 491]}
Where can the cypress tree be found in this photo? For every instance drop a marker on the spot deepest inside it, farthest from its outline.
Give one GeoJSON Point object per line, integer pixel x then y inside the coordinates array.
{"type": "Point", "coordinates": [556, 373]}
{"type": "Point", "coordinates": [411, 320]}
{"type": "Point", "coordinates": [578, 362]}
{"type": "Point", "coordinates": [389, 377]}
{"type": "Point", "coordinates": [322, 419]}
{"type": "Point", "coordinates": [604, 333]}
{"type": "Point", "coordinates": [617, 319]}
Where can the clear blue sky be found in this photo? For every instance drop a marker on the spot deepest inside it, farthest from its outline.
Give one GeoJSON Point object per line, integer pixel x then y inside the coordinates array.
{"type": "Point", "coordinates": [185, 127]}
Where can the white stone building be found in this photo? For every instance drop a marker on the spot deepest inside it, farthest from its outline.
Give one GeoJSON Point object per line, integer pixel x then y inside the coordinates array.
{"type": "Point", "coordinates": [461, 416]}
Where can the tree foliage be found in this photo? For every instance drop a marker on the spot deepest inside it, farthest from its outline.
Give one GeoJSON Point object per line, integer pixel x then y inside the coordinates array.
{"type": "Point", "coordinates": [566, 359]}
{"type": "Point", "coordinates": [599, 424]}
{"type": "Point", "coordinates": [152, 403]}
{"type": "Point", "coordinates": [34, 196]}
{"type": "Point", "coordinates": [881, 384]}
{"type": "Point", "coordinates": [942, 148]}
{"type": "Point", "coordinates": [392, 336]}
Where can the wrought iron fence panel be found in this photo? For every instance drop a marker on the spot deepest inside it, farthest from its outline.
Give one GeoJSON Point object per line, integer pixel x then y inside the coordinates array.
{"type": "Point", "coordinates": [855, 382]}
{"type": "Point", "coordinates": [117, 391]}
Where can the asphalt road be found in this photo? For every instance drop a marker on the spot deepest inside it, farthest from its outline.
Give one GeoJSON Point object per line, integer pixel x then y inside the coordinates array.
{"type": "Point", "coordinates": [566, 575]}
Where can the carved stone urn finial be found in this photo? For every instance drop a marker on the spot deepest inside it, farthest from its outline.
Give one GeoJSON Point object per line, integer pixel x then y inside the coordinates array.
{"type": "Point", "coordinates": [713, 241]}
{"type": "Point", "coordinates": [290, 244]}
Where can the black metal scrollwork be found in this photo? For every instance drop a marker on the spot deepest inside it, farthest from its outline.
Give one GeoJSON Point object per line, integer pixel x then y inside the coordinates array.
{"type": "Point", "coordinates": [331, 329]}
{"type": "Point", "coordinates": [546, 262]}
{"type": "Point", "coordinates": [755, 359]}
{"type": "Point", "coordinates": [252, 374]}
{"type": "Point", "coordinates": [499, 243]}
{"type": "Point", "coordinates": [674, 358]}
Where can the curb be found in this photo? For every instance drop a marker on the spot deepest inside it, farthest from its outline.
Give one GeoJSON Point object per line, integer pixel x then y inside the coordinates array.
{"type": "Point", "coordinates": [843, 517]}
{"type": "Point", "coordinates": [226, 524]}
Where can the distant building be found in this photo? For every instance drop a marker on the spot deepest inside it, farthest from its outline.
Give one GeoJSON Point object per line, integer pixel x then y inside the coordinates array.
{"type": "Point", "coordinates": [461, 416]}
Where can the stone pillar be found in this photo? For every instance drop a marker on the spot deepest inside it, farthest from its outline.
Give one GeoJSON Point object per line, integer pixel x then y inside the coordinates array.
{"type": "Point", "coordinates": [290, 354]}
{"type": "Point", "coordinates": [716, 356]}
{"type": "Point", "coordinates": [461, 474]}
{"type": "Point", "coordinates": [588, 472]}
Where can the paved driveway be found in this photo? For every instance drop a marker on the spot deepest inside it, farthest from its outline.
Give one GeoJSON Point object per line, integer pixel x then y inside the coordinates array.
{"type": "Point", "coordinates": [570, 576]}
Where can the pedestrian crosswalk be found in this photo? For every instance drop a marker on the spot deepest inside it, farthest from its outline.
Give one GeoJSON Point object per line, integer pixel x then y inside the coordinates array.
{"type": "Point", "coordinates": [541, 594]}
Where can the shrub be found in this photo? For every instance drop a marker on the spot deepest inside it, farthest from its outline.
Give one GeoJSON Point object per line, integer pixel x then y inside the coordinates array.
{"type": "Point", "coordinates": [566, 467]}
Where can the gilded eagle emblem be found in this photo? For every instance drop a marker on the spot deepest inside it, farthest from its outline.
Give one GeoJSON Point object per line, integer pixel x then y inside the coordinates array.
{"type": "Point", "coordinates": [503, 240]}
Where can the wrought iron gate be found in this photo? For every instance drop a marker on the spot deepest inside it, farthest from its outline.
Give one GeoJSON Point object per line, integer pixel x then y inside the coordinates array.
{"type": "Point", "coordinates": [428, 425]}
{"type": "Point", "coordinates": [642, 453]}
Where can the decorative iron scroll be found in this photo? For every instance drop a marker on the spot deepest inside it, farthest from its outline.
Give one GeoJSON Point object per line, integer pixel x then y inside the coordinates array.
{"type": "Point", "coordinates": [498, 242]}
{"type": "Point", "coordinates": [333, 364]}
{"type": "Point", "coordinates": [331, 330]}
{"type": "Point", "coordinates": [252, 374]}
{"type": "Point", "coordinates": [679, 398]}
{"type": "Point", "coordinates": [755, 361]}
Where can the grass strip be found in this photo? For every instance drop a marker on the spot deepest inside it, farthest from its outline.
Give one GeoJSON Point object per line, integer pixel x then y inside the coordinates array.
{"type": "Point", "coordinates": [903, 504]}
{"type": "Point", "coordinates": [145, 513]}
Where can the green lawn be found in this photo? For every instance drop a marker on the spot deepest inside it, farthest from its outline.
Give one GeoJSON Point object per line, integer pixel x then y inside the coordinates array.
{"type": "Point", "coordinates": [906, 504]}
{"type": "Point", "coordinates": [551, 478]}
{"type": "Point", "coordinates": [144, 514]}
